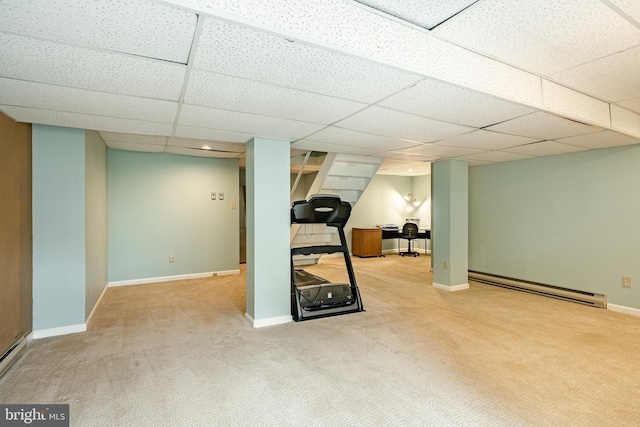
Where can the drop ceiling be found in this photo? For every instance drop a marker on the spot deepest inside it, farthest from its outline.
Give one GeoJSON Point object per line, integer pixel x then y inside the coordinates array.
{"type": "Point", "coordinates": [410, 81]}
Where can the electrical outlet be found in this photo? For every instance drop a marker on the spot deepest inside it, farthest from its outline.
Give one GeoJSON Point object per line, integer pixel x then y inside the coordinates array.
{"type": "Point", "coordinates": [445, 265]}
{"type": "Point", "coordinates": [626, 281]}
{"type": "Point", "coordinates": [171, 259]}
{"type": "Point", "coordinates": [233, 205]}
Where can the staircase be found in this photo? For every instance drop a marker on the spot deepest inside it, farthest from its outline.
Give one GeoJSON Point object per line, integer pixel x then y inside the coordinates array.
{"type": "Point", "coordinates": [344, 175]}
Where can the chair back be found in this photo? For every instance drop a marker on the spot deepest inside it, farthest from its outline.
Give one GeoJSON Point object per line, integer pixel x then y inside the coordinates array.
{"type": "Point", "coordinates": [410, 230]}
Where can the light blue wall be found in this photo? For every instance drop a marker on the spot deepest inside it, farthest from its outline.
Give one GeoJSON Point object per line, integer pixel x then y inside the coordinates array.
{"type": "Point", "coordinates": [570, 220]}
{"type": "Point", "coordinates": [96, 218]}
{"type": "Point", "coordinates": [450, 223]}
{"type": "Point", "coordinates": [58, 227]}
{"type": "Point", "coordinates": [268, 230]}
{"type": "Point", "coordinates": [160, 205]}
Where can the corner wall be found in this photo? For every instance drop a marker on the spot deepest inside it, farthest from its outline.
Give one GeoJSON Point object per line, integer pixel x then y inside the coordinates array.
{"type": "Point", "coordinates": [569, 220]}
{"type": "Point", "coordinates": [160, 205]}
{"type": "Point", "coordinates": [96, 219]}
{"type": "Point", "coordinates": [59, 273]}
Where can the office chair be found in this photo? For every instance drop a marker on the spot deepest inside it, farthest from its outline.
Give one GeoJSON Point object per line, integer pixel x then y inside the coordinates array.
{"type": "Point", "coordinates": [409, 232]}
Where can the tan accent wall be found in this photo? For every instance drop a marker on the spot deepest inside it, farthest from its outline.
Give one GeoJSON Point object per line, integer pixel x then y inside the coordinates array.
{"type": "Point", "coordinates": [15, 231]}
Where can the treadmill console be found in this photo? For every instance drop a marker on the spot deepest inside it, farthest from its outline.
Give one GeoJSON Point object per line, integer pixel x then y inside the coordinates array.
{"type": "Point", "coordinates": [321, 209]}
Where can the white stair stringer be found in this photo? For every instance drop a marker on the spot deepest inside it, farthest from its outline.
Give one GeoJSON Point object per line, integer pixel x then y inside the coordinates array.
{"type": "Point", "coordinates": [344, 175]}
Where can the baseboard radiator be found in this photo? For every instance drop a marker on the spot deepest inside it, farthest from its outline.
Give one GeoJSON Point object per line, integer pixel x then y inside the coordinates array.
{"type": "Point", "coordinates": [12, 354]}
{"type": "Point", "coordinates": [587, 298]}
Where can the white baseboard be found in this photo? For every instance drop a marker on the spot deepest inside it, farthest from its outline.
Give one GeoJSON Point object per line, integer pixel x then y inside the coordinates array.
{"type": "Point", "coordinates": [272, 321]}
{"type": "Point", "coordinates": [623, 309]}
{"type": "Point", "coordinates": [93, 310]}
{"type": "Point", "coordinates": [163, 279]}
{"type": "Point", "coordinates": [62, 330]}
{"type": "Point", "coordinates": [226, 272]}
{"type": "Point", "coordinates": [453, 288]}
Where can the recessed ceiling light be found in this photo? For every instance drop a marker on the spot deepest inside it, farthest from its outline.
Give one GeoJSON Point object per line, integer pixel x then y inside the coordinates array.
{"type": "Point", "coordinates": [206, 147]}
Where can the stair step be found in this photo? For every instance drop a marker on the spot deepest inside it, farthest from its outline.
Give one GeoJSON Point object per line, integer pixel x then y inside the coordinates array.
{"type": "Point", "coordinates": [352, 169]}
{"type": "Point", "coordinates": [354, 158]}
{"type": "Point", "coordinates": [350, 196]}
{"type": "Point", "coordinates": [346, 183]}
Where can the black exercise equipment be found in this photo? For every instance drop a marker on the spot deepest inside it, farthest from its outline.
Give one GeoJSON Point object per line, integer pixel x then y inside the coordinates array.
{"type": "Point", "coordinates": [312, 296]}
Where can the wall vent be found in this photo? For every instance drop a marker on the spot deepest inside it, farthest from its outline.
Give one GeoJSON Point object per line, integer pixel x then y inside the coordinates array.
{"type": "Point", "coordinates": [587, 298]}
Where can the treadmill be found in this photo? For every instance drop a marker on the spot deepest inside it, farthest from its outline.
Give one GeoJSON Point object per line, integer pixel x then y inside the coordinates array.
{"type": "Point", "coordinates": [311, 295]}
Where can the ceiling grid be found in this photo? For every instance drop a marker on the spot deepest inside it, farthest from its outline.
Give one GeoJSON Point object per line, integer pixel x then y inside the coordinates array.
{"type": "Point", "coordinates": [411, 81]}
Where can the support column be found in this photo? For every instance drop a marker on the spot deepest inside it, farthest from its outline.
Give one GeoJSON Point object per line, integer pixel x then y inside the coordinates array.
{"type": "Point", "coordinates": [450, 228]}
{"type": "Point", "coordinates": [268, 224]}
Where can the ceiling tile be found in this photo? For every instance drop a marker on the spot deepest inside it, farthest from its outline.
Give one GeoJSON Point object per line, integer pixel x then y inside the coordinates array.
{"type": "Point", "coordinates": [247, 53]}
{"type": "Point", "coordinates": [631, 104]}
{"type": "Point", "coordinates": [395, 124]}
{"type": "Point", "coordinates": [196, 132]}
{"type": "Point", "coordinates": [201, 153]}
{"type": "Point", "coordinates": [604, 139]}
{"type": "Point", "coordinates": [58, 64]}
{"type": "Point", "coordinates": [199, 143]}
{"type": "Point", "coordinates": [543, 38]}
{"type": "Point", "coordinates": [453, 63]}
{"type": "Point", "coordinates": [133, 146]}
{"type": "Point", "coordinates": [49, 97]}
{"type": "Point", "coordinates": [612, 78]}
{"type": "Point", "coordinates": [237, 94]}
{"type": "Point", "coordinates": [544, 148]}
{"type": "Point", "coordinates": [338, 24]}
{"type": "Point", "coordinates": [346, 137]}
{"type": "Point", "coordinates": [131, 138]}
{"type": "Point", "coordinates": [543, 126]}
{"type": "Point", "coordinates": [449, 103]}
{"type": "Point", "coordinates": [578, 105]}
{"type": "Point", "coordinates": [494, 157]}
{"type": "Point", "coordinates": [410, 157]}
{"type": "Point", "coordinates": [404, 168]}
{"type": "Point", "coordinates": [86, 121]}
{"type": "Point", "coordinates": [424, 13]}
{"type": "Point", "coordinates": [191, 115]}
{"type": "Point", "coordinates": [625, 121]}
{"type": "Point", "coordinates": [304, 144]}
{"type": "Point", "coordinates": [139, 27]}
{"type": "Point", "coordinates": [440, 151]}
{"type": "Point", "coordinates": [630, 7]}
{"type": "Point", "coordinates": [486, 140]}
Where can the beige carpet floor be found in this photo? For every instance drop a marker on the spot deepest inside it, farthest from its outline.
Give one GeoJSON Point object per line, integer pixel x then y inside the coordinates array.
{"type": "Point", "coordinates": [182, 354]}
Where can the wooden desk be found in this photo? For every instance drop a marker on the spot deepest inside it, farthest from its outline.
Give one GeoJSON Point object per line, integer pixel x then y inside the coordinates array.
{"type": "Point", "coordinates": [423, 233]}
{"type": "Point", "coordinates": [366, 242]}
